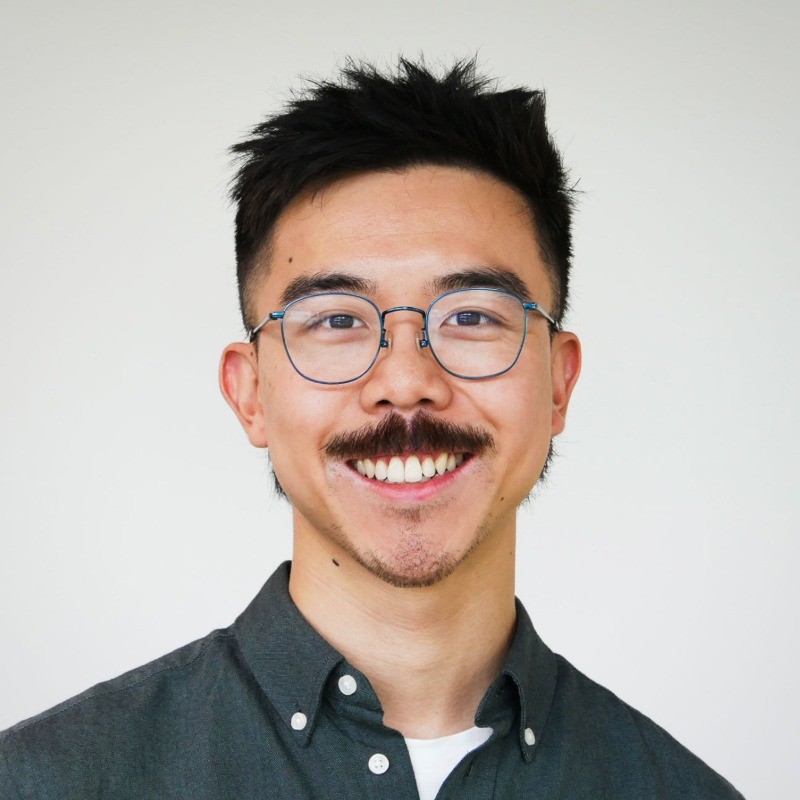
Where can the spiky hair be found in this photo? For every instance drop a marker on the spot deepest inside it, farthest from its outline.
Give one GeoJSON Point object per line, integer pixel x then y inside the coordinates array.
{"type": "Point", "coordinates": [370, 120]}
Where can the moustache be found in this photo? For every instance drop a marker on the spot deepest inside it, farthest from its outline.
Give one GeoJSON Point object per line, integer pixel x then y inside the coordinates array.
{"type": "Point", "coordinates": [395, 435]}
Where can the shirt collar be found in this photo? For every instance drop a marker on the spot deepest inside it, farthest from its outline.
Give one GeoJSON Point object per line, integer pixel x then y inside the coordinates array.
{"type": "Point", "coordinates": [290, 661]}
{"type": "Point", "coordinates": [293, 664]}
{"type": "Point", "coordinates": [531, 665]}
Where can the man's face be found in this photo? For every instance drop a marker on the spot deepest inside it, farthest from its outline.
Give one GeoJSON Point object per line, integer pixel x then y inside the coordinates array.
{"type": "Point", "coordinates": [403, 236]}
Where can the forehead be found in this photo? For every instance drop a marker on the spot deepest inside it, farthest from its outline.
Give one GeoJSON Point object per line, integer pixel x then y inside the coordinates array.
{"type": "Point", "coordinates": [404, 232]}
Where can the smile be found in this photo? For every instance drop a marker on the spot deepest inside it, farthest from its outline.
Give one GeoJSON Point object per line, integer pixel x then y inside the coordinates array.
{"type": "Point", "coordinates": [408, 469]}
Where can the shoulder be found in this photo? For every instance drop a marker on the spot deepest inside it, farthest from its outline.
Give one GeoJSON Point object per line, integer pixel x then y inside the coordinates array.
{"type": "Point", "coordinates": [628, 743]}
{"type": "Point", "coordinates": [134, 689]}
{"type": "Point", "coordinates": [116, 720]}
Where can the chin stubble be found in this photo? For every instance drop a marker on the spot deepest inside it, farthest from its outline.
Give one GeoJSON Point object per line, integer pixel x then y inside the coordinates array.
{"type": "Point", "coordinates": [412, 565]}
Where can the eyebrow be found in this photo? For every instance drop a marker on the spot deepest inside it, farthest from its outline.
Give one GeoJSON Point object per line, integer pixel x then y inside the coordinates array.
{"type": "Point", "coordinates": [470, 278]}
{"type": "Point", "coordinates": [477, 277]}
{"type": "Point", "coordinates": [326, 282]}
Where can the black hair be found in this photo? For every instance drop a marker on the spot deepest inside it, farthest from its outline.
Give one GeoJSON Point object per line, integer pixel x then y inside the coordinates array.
{"type": "Point", "coordinates": [370, 120]}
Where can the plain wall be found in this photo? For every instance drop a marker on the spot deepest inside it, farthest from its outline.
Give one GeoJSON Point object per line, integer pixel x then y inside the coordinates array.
{"type": "Point", "coordinates": [662, 557]}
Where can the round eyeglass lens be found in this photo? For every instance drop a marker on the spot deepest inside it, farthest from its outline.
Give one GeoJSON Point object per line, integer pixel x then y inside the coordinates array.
{"type": "Point", "coordinates": [331, 338]}
{"type": "Point", "coordinates": [477, 333]}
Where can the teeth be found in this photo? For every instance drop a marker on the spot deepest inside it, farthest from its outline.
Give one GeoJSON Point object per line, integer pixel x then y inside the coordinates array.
{"type": "Point", "coordinates": [410, 470]}
{"type": "Point", "coordinates": [396, 473]}
{"type": "Point", "coordinates": [413, 470]}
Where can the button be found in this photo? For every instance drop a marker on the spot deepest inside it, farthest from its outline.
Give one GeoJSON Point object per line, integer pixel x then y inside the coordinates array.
{"type": "Point", "coordinates": [530, 739]}
{"type": "Point", "coordinates": [347, 684]}
{"type": "Point", "coordinates": [299, 721]}
{"type": "Point", "coordinates": [378, 764]}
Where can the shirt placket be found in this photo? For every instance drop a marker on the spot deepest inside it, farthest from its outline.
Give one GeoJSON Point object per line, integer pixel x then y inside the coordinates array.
{"type": "Point", "coordinates": [371, 759]}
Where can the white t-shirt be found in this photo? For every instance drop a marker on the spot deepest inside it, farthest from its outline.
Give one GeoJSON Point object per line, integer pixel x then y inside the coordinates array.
{"type": "Point", "coordinates": [434, 759]}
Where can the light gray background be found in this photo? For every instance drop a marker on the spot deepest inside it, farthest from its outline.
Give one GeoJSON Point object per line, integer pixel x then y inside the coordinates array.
{"type": "Point", "coordinates": [661, 559]}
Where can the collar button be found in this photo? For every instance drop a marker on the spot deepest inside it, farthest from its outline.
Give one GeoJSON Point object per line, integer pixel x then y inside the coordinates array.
{"type": "Point", "coordinates": [299, 721]}
{"type": "Point", "coordinates": [530, 739]}
{"type": "Point", "coordinates": [378, 764]}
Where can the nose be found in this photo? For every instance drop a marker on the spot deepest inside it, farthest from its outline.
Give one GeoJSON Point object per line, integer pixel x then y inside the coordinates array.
{"type": "Point", "coordinates": [406, 375]}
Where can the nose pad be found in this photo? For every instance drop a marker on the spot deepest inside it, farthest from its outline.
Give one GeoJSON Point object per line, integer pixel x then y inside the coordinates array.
{"type": "Point", "coordinates": [422, 341]}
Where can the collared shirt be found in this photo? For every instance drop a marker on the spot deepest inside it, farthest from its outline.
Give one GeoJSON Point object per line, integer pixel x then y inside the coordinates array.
{"type": "Point", "coordinates": [268, 709]}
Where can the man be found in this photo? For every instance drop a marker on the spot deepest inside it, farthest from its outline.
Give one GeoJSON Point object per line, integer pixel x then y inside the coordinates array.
{"type": "Point", "coordinates": [403, 250]}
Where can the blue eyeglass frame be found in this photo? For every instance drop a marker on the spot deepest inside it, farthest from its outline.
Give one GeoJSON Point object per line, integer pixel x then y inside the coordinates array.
{"type": "Point", "coordinates": [423, 342]}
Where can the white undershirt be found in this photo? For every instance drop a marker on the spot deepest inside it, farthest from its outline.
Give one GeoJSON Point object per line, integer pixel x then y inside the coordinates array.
{"type": "Point", "coordinates": [434, 759]}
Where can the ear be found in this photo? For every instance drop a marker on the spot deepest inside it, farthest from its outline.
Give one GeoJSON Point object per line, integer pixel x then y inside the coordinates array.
{"type": "Point", "coordinates": [565, 365]}
{"type": "Point", "coordinates": [238, 380]}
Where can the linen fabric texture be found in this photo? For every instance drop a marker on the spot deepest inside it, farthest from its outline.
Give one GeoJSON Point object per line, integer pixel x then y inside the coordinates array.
{"type": "Point", "coordinates": [214, 719]}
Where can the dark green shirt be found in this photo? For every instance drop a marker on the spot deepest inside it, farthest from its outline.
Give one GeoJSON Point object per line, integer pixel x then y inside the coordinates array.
{"type": "Point", "coordinates": [257, 711]}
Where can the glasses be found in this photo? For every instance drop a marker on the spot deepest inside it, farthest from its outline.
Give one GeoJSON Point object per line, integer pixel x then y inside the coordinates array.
{"type": "Point", "coordinates": [336, 337]}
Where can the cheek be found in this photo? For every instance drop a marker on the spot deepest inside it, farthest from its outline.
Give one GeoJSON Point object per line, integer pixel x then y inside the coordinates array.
{"type": "Point", "coordinates": [522, 399]}
{"type": "Point", "coordinates": [522, 417]}
{"type": "Point", "coordinates": [531, 429]}
{"type": "Point", "coordinates": [286, 397]}
{"type": "Point", "coordinates": [299, 416]}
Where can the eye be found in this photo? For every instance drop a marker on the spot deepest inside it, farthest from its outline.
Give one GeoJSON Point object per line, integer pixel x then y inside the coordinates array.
{"type": "Point", "coordinates": [469, 318]}
{"type": "Point", "coordinates": [335, 322]}
{"type": "Point", "coordinates": [341, 321]}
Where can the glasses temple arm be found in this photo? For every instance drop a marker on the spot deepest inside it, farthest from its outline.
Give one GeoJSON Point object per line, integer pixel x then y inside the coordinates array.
{"type": "Point", "coordinates": [254, 332]}
{"type": "Point", "coordinates": [537, 307]}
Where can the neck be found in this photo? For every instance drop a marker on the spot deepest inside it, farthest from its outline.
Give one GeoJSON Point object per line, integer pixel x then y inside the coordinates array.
{"type": "Point", "coordinates": [430, 653]}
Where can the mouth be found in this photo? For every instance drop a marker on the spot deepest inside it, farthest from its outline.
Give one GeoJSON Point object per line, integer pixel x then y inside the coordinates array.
{"type": "Point", "coordinates": [412, 468]}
